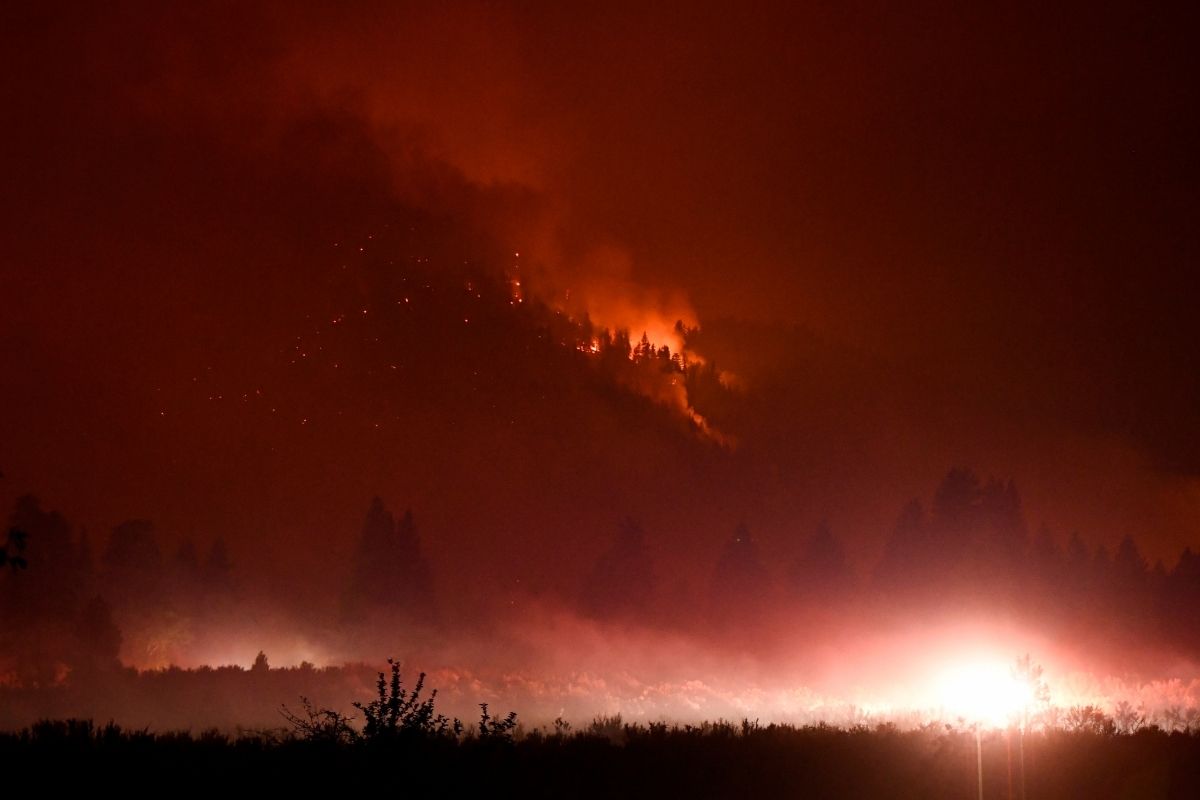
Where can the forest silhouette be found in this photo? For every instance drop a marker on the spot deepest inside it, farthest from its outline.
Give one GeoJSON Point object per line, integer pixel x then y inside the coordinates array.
{"type": "Point", "coordinates": [77, 621]}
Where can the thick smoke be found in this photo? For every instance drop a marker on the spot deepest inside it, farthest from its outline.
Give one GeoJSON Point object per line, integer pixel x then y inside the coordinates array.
{"type": "Point", "coordinates": [273, 264]}
{"type": "Point", "coordinates": [964, 585]}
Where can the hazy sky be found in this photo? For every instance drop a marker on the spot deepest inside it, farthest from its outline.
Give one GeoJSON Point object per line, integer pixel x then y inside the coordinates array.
{"type": "Point", "coordinates": [917, 236]}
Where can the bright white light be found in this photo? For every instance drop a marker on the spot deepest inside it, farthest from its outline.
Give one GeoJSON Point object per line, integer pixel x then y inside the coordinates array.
{"type": "Point", "coordinates": [984, 692]}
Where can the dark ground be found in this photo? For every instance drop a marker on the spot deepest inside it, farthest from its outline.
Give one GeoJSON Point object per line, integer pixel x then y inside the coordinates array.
{"type": "Point", "coordinates": [611, 760]}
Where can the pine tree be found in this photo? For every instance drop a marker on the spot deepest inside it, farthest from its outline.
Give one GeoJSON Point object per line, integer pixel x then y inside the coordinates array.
{"type": "Point", "coordinates": [740, 583]}
{"type": "Point", "coordinates": [98, 639]}
{"type": "Point", "coordinates": [217, 572]}
{"type": "Point", "coordinates": [622, 582]}
{"type": "Point", "coordinates": [822, 569]}
{"type": "Point", "coordinates": [389, 571]}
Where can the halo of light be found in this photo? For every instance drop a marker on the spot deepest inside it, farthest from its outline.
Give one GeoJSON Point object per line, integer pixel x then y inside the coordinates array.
{"type": "Point", "coordinates": [983, 693]}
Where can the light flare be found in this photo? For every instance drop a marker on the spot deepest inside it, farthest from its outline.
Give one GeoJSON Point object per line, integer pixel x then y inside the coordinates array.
{"type": "Point", "coordinates": [984, 692]}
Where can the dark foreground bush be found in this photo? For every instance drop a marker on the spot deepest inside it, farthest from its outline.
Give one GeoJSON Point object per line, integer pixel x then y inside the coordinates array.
{"type": "Point", "coordinates": [713, 760]}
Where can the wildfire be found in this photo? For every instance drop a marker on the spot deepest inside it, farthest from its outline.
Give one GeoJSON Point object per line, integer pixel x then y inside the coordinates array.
{"type": "Point", "coordinates": [656, 371]}
{"type": "Point", "coordinates": [638, 337]}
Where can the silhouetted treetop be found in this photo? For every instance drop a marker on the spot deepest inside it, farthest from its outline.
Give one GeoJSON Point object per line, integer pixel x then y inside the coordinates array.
{"type": "Point", "coordinates": [822, 569]}
{"type": "Point", "coordinates": [98, 638]}
{"type": "Point", "coordinates": [623, 580]}
{"type": "Point", "coordinates": [133, 546]}
{"type": "Point", "coordinates": [186, 559]}
{"type": "Point", "coordinates": [389, 571]}
{"type": "Point", "coordinates": [740, 581]}
{"type": "Point", "coordinates": [42, 541]}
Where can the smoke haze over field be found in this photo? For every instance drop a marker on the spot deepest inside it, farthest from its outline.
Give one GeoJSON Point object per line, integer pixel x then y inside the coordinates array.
{"type": "Point", "coordinates": [262, 263]}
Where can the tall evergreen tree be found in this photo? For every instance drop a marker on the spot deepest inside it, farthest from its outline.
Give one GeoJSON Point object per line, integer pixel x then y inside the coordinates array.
{"type": "Point", "coordinates": [53, 559]}
{"type": "Point", "coordinates": [905, 566]}
{"type": "Point", "coordinates": [740, 584]}
{"type": "Point", "coordinates": [133, 568]}
{"type": "Point", "coordinates": [389, 571]}
{"type": "Point", "coordinates": [622, 582]}
{"type": "Point", "coordinates": [97, 638]}
{"type": "Point", "coordinates": [218, 568]}
{"type": "Point", "coordinates": [821, 571]}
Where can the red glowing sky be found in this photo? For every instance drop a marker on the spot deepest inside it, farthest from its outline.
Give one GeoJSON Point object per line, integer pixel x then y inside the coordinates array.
{"type": "Point", "coordinates": [918, 237]}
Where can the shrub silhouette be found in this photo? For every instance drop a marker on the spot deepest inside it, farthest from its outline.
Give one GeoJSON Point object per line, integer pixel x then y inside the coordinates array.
{"type": "Point", "coordinates": [320, 724]}
{"type": "Point", "coordinates": [394, 714]}
{"type": "Point", "coordinates": [494, 729]}
{"type": "Point", "coordinates": [397, 711]}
